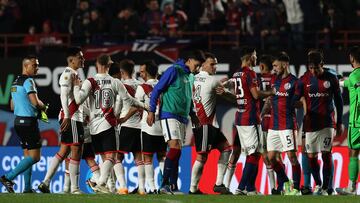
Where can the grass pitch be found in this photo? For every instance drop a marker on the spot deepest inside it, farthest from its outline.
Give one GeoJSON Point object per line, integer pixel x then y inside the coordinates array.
{"type": "Point", "coordinates": [86, 198]}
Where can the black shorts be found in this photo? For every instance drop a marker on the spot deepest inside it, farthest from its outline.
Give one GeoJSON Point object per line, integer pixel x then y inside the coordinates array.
{"type": "Point", "coordinates": [129, 140]}
{"type": "Point", "coordinates": [207, 137]}
{"type": "Point", "coordinates": [74, 135]}
{"type": "Point", "coordinates": [27, 129]}
{"type": "Point", "coordinates": [88, 151]}
{"type": "Point", "coordinates": [104, 142]}
{"type": "Point", "coordinates": [152, 144]}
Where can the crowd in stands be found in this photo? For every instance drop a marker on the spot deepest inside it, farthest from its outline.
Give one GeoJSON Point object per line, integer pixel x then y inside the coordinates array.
{"type": "Point", "coordinates": [258, 22]}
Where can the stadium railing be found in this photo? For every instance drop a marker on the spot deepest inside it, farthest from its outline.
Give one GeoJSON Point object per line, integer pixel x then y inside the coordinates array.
{"type": "Point", "coordinates": [341, 38]}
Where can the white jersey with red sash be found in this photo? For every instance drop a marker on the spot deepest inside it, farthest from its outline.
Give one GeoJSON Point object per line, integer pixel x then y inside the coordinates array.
{"type": "Point", "coordinates": [134, 121]}
{"type": "Point", "coordinates": [143, 93]}
{"type": "Point", "coordinates": [102, 90]}
{"type": "Point", "coordinates": [204, 98]}
{"type": "Point", "coordinates": [69, 108]}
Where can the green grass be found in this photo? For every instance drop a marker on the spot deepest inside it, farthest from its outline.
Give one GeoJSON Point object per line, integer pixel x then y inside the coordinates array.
{"type": "Point", "coordinates": [56, 198]}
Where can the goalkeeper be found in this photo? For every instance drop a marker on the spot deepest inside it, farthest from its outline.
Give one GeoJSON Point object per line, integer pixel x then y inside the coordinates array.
{"type": "Point", "coordinates": [353, 85]}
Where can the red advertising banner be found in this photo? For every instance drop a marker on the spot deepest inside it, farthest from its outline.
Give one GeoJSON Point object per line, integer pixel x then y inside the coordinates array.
{"type": "Point", "coordinates": [340, 157]}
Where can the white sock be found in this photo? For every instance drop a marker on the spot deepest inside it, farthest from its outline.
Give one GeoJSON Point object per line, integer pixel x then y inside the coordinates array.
{"type": "Point", "coordinates": [229, 174]}
{"type": "Point", "coordinates": [271, 175]}
{"type": "Point", "coordinates": [120, 174]}
{"type": "Point", "coordinates": [111, 182]}
{"type": "Point", "coordinates": [96, 173]}
{"type": "Point", "coordinates": [74, 168]}
{"type": "Point", "coordinates": [223, 160]}
{"type": "Point", "coordinates": [67, 181]}
{"type": "Point", "coordinates": [56, 160]}
{"type": "Point", "coordinates": [149, 176]}
{"type": "Point", "coordinates": [161, 165]}
{"type": "Point", "coordinates": [105, 170]}
{"type": "Point", "coordinates": [141, 175]}
{"type": "Point", "coordinates": [196, 175]}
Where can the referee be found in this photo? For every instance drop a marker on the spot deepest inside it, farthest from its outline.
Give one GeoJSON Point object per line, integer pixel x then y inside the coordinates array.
{"type": "Point", "coordinates": [26, 105]}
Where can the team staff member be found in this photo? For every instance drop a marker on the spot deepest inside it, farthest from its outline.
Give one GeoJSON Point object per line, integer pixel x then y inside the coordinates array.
{"type": "Point", "coordinates": [26, 105]}
{"type": "Point", "coordinates": [175, 86]}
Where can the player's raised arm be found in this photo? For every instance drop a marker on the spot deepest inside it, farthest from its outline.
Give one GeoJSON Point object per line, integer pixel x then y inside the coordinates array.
{"type": "Point", "coordinates": [81, 94]}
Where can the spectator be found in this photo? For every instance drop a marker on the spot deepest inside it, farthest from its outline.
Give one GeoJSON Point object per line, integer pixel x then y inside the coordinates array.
{"type": "Point", "coordinates": [79, 22]}
{"type": "Point", "coordinates": [152, 18]}
{"type": "Point", "coordinates": [249, 32]}
{"type": "Point", "coordinates": [212, 15]}
{"type": "Point", "coordinates": [96, 27]}
{"type": "Point", "coordinates": [125, 25]}
{"type": "Point", "coordinates": [173, 21]}
{"type": "Point", "coordinates": [233, 16]}
{"type": "Point", "coordinates": [31, 38]}
{"type": "Point", "coordinates": [333, 21]}
{"type": "Point", "coordinates": [48, 36]}
{"type": "Point", "coordinates": [9, 14]}
{"type": "Point", "coordinates": [295, 19]}
{"type": "Point", "coordinates": [268, 25]}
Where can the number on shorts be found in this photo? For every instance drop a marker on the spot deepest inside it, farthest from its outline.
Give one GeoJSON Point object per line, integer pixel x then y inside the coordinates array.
{"type": "Point", "coordinates": [288, 139]}
{"type": "Point", "coordinates": [104, 98]}
{"type": "Point", "coordinates": [327, 142]}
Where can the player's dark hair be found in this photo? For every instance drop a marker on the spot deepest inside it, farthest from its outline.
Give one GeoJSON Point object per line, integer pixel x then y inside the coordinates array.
{"type": "Point", "coordinates": [29, 57]}
{"type": "Point", "coordinates": [151, 67]}
{"type": "Point", "coordinates": [72, 51]}
{"type": "Point", "coordinates": [355, 53]}
{"type": "Point", "coordinates": [315, 56]}
{"type": "Point", "coordinates": [114, 69]}
{"type": "Point", "coordinates": [127, 65]}
{"type": "Point", "coordinates": [246, 52]}
{"type": "Point", "coordinates": [283, 57]}
{"type": "Point", "coordinates": [197, 55]}
{"type": "Point", "coordinates": [209, 55]}
{"type": "Point", "coordinates": [267, 60]}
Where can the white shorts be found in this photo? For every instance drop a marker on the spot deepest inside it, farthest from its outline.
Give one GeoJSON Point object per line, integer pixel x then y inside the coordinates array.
{"type": "Point", "coordinates": [173, 129]}
{"type": "Point", "coordinates": [249, 138]}
{"type": "Point", "coordinates": [281, 140]}
{"type": "Point", "coordinates": [319, 141]}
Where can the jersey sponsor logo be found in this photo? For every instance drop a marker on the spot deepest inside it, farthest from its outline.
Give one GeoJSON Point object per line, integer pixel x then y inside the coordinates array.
{"type": "Point", "coordinates": [282, 94]}
{"type": "Point", "coordinates": [287, 86]}
{"type": "Point", "coordinates": [326, 84]}
{"type": "Point", "coordinates": [318, 94]}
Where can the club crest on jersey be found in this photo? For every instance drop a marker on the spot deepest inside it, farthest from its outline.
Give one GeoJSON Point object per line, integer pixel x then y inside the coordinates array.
{"type": "Point", "coordinates": [287, 86]}
{"type": "Point", "coordinates": [326, 84]}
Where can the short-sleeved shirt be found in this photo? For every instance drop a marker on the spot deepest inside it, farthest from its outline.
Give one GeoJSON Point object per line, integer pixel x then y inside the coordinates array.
{"type": "Point", "coordinates": [204, 98]}
{"type": "Point", "coordinates": [319, 92]}
{"type": "Point", "coordinates": [282, 103]}
{"type": "Point", "coordinates": [143, 93]}
{"type": "Point", "coordinates": [248, 108]}
{"type": "Point", "coordinates": [21, 88]}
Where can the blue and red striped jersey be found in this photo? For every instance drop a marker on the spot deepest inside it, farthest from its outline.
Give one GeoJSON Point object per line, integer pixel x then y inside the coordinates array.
{"type": "Point", "coordinates": [265, 85]}
{"type": "Point", "coordinates": [320, 92]}
{"type": "Point", "coordinates": [248, 108]}
{"type": "Point", "coordinates": [282, 103]}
